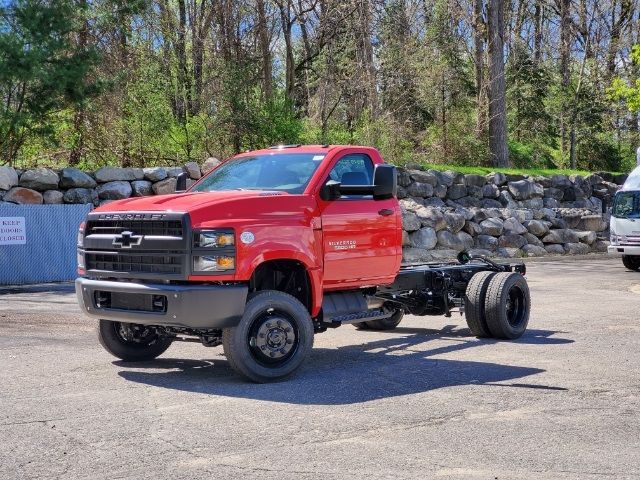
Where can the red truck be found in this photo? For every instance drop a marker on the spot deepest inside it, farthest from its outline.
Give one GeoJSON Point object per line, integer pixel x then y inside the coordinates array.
{"type": "Point", "coordinates": [268, 249]}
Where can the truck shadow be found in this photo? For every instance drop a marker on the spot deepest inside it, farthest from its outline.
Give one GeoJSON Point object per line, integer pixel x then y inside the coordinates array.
{"type": "Point", "coordinates": [395, 366]}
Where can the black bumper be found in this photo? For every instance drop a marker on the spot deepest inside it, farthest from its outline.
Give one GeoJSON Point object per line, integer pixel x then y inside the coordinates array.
{"type": "Point", "coordinates": [190, 306]}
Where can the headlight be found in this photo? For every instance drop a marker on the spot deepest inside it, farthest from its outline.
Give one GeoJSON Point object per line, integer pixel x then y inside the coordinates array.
{"type": "Point", "coordinates": [213, 263]}
{"type": "Point", "coordinates": [213, 239]}
{"type": "Point", "coordinates": [614, 239]}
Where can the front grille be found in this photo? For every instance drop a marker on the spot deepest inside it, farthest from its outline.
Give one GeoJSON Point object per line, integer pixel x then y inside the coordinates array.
{"type": "Point", "coordinates": [167, 228]}
{"type": "Point", "coordinates": [134, 263]}
{"type": "Point", "coordinates": [632, 240]}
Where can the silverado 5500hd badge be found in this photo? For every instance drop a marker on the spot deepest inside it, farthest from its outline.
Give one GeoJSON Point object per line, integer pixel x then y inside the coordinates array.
{"type": "Point", "coordinates": [343, 244]}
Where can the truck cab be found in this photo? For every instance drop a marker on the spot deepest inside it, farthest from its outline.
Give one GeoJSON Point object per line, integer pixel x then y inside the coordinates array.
{"type": "Point", "coordinates": [624, 225]}
{"type": "Point", "coordinates": [268, 249]}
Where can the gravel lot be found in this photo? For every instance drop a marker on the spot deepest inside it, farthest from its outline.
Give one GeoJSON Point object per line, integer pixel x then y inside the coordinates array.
{"type": "Point", "coordinates": [426, 401]}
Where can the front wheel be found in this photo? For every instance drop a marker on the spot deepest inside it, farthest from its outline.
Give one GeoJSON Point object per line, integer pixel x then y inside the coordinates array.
{"type": "Point", "coordinates": [632, 262]}
{"type": "Point", "coordinates": [273, 337]}
{"type": "Point", "coordinates": [131, 342]}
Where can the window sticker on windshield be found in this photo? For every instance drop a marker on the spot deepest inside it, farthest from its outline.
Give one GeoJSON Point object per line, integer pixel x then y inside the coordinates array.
{"type": "Point", "coordinates": [317, 157]}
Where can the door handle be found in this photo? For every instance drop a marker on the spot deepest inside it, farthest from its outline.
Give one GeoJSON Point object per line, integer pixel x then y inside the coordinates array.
{"type": "Point", "coordinates": [385, 212]}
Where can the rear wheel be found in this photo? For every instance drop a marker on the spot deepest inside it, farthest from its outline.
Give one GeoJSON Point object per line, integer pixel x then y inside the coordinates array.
{"type": "Point", "coordinates": [507, 305]}
{"type": "Point", "coordinates": [632, 262]}
{"type": "Point", "coordinates": [131, 342]}
{"type": "Point", "coordinates": [474, 303]}
{"type": "Point", "coordinates": [273, 337]}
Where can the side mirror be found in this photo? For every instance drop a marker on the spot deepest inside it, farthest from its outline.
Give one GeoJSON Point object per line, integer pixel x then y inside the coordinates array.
{"type": "Point", "coordinates": [330, 191]}
{"type": "Point", "coordinates": [181, 185]}
{"type": "Point", "coordinates": [385, 182]}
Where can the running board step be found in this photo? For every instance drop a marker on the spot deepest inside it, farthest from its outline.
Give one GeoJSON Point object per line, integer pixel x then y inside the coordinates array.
{"type": "Point", "coordinates": [377, 314]}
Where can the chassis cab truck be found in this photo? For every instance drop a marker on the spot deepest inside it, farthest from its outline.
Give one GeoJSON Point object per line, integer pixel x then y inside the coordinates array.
{"type": "Point", "coordinates": [267, 250]}
{"type": "Point", "coordinates": [624, 226]}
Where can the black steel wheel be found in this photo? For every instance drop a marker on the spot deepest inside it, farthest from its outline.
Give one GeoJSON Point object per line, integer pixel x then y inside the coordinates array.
{"type": "Point", "coordinates": [273, 337]}
{"type": "Point", "coordinates": [474, 304]}
{"type": "Point", "coordinates": [507, 305]}
{"type": "Point", "coordinates": [632, 262]}
{"type": "Point", "coordinates": [131, 342]}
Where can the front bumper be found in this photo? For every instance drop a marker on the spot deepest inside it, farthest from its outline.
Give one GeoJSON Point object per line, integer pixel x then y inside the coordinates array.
{"type": "Point", "coordinates": [189, 306]}
{"type": "Point", "coordinates": [623, 250]}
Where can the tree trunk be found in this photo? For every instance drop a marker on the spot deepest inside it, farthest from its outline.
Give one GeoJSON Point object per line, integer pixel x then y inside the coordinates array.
{"type": "Point", "coordinates": [498, 148]}
{"type": "Point", "coordinates": [537, 35]}
{"type": "Point", "coordinates": [565, 58]}
{"type": "Point", "coordinates": [478, 55]}
{"type": "Point", "coordinates": [265, 51]}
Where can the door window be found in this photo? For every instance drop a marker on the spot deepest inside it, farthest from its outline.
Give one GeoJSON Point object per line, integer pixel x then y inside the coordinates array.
{"type": "Point", "coordinates": [354, 169]}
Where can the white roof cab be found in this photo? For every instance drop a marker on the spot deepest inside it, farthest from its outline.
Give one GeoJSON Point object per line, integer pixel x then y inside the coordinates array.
{"type": "Point", "coordinates": [625, 222]}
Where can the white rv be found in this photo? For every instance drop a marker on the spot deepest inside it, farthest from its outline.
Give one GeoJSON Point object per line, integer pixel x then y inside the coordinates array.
{"type": "Point", "coordinates": [625, 222]}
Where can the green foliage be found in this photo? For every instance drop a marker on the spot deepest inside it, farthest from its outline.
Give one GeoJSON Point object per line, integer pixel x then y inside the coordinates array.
{"type": "Point", "coordinates": [628, 93]}
{"type": "Point", "coordinates": [42, 70]}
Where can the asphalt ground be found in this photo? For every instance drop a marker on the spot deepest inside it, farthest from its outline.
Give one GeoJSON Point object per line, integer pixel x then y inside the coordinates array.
{"type": "Point", "coordinates": [425, 401]}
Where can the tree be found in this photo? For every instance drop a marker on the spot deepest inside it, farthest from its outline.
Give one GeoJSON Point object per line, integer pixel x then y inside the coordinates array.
{"type": "Point", "coordinates": [42, 70]}
{"type": "Point", "coordinates": [498, 148]}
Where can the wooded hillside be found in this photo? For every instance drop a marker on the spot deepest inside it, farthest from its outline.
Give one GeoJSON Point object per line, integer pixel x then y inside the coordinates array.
{"type": "Point", "coordinates": [526, 83]}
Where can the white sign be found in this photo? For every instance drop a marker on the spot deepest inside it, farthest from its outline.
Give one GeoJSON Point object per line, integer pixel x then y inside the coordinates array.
{"type": "Point", "coordinates": [12, 231]}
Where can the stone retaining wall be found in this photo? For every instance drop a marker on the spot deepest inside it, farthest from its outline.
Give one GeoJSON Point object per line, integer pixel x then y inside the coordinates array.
{"type": "Point", "coordinates": [443, 212]}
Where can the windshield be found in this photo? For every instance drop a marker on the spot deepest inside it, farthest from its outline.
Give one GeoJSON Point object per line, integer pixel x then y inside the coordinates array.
{"type": "Point", "coordinates": [626, 205]}
{"type": "Point", "coordinates": [286, 172]}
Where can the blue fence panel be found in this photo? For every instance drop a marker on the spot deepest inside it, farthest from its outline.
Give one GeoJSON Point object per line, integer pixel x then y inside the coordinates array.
{"type": "Point", "coordinates": [48, 253]}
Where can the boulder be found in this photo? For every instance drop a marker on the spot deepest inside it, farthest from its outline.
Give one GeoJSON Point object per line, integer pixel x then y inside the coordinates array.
{"type": "Point", "coordinates": [466, 239]}
{"type": "Point", "coordinates": [533, 251]}
{"type": "Point", "coordinates": [571, 218]}
{"type": "Point", "coordinates": [515, 177]}
{"type": "Point", "coordinates": [472, 228]}
{"type": "Point", "coordinates": [465, 212]}
{"type": "Point", "coordinates": [81, 195]}
{"type": "Point", "coordinates": [491, 203]}
{"type": "Point", "coordinates": [53, 197]}
{"type": "Point", "coordinates": [559, 222]}
{"type": "Point", "coordinates": [433, 202]}
{"type": "Point", "coordinates": [456, 191]}
{"type": "Point", "coordinates": [550, 203]}
{"type": "Point", "coordinates": [155, 174]}
{"type": "Point", "coordinates": [173, 172]}
{"type": "Point", "coordinates": [468, 202]}
{"type": "Point", "coordinates": [492, 226]}
{"type": "Point", "coordinates": [193, 170]}
{"type": "Point", "coordinates": [424, 177]}
{"type": "Point", "coordinates": [544, 181]}
{"type": "Point", "coordinates": [497, 178]}
{"type": "Point", "coordinates": [576, 248]}
{"type": "Point", "coordinates": [74, 178]}
{"type": "Point", "coordinates": [410, 221]}
{"type": "Point", "coordinates": [141, 188]}
{"type": "Point", "coordinates": [511, 241]}
{"type": "Point", "coordinates": [594, 179]}
{"type": "Point", "coordinates": [431, 217]}
{"type": "Point", "coordinates": [449, 240]}
{"type": "Point", "coordinates": [486, 242]}
{"type": "Point", "coordinates": [553, 192]}
{"type": "Point", "coordinates": [440, 191]}
{"type": "Point", "coordinates": [40, 179]}
{"type": "Point", "coordinates": [455, 222]}
{"type": "Point", "coordinates": [424, 238]}
{"type": "Point", "coordinates": [474, 191]}
{"type": "Point", "coordinates": [513, 227]}
{"type": "Point", "coordinates": [506, 200]}
{"type": "Point", "coordinates": [594, 223]}
{"type": "Point", "coordinates": [587, 237]}
{"type": "Point", "coordinates": [404, 178]}
{"type": "Point", "coordinates": [23, 196]}
{"type": "Point", "coordinates": [474, 180]}
{"type": "Point", "coordinates": [490, 191]}
{"type": "Point", "coordinates": [116, 190]}
{"type": "Point", "coordinates": [114, 174]}
{"type": "Point", "coordinates": [524, 189]}
{"type": "Point", "coordinates": [561, 236]}
{"type": "Point", "coordinates": [533, 240]}
{"type": "Point", "coordinates": [537, 227]}
{"type": "Point", "coordinates": [211, 163]}
{"type": "Point", "coordinates": [417, 189]}
{"type": "Point", "coordinates": [480, 252]}
{"type": "Point", "coordinates": [444, 178]}
{"type": "Point", "coordinates": [8, 178]}
{"type": "Point", "coordinates": [560, 181]}
{"type": "Point", "coordinates": [165, 186]}
{"type": "Point", "coordinates": [600, 246]}
{"type": "Point", "coordinates": [405, 239]}
{"type": "Point", "coordinates": [535, 203]}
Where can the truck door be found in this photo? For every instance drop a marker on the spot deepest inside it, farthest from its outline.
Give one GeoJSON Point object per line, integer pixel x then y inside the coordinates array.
{"type": "Point", "coordinates": [361, 236]}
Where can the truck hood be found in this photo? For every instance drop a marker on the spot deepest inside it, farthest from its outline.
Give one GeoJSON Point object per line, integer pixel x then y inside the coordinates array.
{"type": "Point", "coordinates": [183, 202]}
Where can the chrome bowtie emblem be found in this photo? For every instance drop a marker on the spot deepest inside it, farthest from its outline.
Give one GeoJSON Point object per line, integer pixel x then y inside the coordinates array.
{"type": "Point", "coordinates": [127, 240]}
